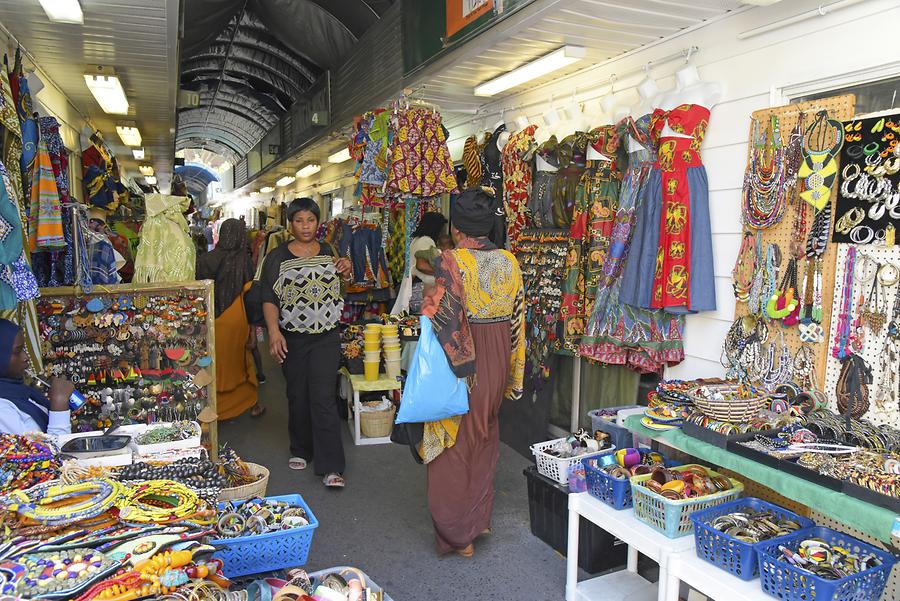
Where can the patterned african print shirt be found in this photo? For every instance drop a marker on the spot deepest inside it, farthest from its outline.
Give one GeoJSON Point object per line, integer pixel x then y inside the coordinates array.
{"type": "Point", "coordinates": [307, 290]}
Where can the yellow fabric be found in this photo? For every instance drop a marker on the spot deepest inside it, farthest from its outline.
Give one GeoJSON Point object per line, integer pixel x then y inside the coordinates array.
{"type": "Point", "coordinates": [437, 436]}
{"type": "Point", "coordinates": [236, 384]}
{"type": "Point", "coordinates": [494, 291]}
{"type": "Point", "coordinates": [359, 382]}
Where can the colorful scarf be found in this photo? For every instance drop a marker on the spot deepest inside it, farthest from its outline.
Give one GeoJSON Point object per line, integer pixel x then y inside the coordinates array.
{"type": "Point", "coordinates": [445, 304]}
{"type": "Point", "coordinates": [45, 226]}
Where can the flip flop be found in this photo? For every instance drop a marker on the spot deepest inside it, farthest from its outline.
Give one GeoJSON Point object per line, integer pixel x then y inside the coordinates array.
{"type": "Point", "coordinates": [297, 463]}
{"type": "Point", "coordinates": [334, 481]}
{"type": "Point", "coordinates": [257, 410]}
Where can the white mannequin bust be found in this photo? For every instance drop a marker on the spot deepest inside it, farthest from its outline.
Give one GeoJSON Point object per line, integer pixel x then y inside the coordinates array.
{"type": "Point", "coordinates": [595, 155]}
{"type": "Point", "coordinates": [503, 138]}
{"type": "Point", "coordinates": [648, 91]}
{"type": "Point", "coordinates": [542, 165]}
{"type": "Point", "coordinates": [689, 89]}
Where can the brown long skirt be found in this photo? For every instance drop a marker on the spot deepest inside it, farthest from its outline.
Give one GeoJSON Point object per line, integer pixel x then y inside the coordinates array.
{"type": "Point", "coordinates": [461, 479]}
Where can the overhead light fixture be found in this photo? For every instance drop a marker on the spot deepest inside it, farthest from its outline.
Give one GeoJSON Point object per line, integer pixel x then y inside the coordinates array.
{"type": "Point", "coordinates": [107, 91]}
{"type": "Point", "coordinates": [150, 179]}
{"type": "Point", "coordinates": [760, 2]}
{"type": "Point", "coordinates": [562, 57]}
{"type": "Point", "coordinates": [309, 170]}
{"type": "Point", "coordinates": [146, 169]}
{"type": "Point", "coordinates": [254, 194]}
{"type": "Point", "coordinates": [129, 134]}
{"type": "Point", "coordinates": [63, 11]}
{"type": "Point", "coordinates": [340, 156]}
{"type": "Point", "coordinates": [286, 180]}
{"type": "Point", "coordinates": [266, 190]}
{"type": "Point", "coordinates": [138, 153]}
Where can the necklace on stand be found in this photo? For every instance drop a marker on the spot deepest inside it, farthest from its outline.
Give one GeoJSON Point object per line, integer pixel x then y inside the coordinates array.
{"type": "Point", "coordinates": [765, 187]}
{"type": "Point", "coordinates": [818, 169]}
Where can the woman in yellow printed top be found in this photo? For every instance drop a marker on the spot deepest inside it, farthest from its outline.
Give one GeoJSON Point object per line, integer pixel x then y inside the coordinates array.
{"type": "Point", "coordinates": [477, 308]}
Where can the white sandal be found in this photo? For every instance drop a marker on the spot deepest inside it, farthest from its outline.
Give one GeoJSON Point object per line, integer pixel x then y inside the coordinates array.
{"type": "Point", "coordinates": [297, 463]}
{"type": "Point", "coordinates": [334, 481]}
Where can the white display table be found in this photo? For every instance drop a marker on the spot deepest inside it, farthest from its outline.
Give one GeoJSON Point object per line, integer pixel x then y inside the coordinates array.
{"type": "Point", "coordinates": [639, 537]}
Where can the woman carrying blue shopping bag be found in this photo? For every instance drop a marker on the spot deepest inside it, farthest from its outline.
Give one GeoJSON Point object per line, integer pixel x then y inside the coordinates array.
{"type": "Point", "coordinates": [477, 311]}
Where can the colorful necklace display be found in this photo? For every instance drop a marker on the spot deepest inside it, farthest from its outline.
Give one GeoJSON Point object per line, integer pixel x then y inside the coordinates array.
{"type": "Point", "coordinates": [744, 269]}
{"type": "Point", "coordinates": [25, 463]}
{"type": "Point", "coordinates": [62, 574]}
{"type": "Point", "coordinates": [56, 504]}
{"type": "Point", "coordinates": [765, 182]}
{"type": "Point", "coordinates": [819, 167]}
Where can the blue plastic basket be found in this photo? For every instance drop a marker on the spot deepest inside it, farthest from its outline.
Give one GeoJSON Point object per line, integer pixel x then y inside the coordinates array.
{"type": "Point", "coordinates": [789, 583]}
{"type": "Point", "coordinates": [615, 492]}
{"type": "Point", "coordinates": [672, 518]}
{"type": "Point", "coordinates": [620, 436]}
{"type": "Point", "coordinates": [270, 551]}
{"type": "Point", "coordinates": [723, 550]}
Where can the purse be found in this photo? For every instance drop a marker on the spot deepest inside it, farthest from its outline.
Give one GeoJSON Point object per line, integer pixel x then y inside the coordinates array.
{"type": "Point", "coordinates": [253, 303]}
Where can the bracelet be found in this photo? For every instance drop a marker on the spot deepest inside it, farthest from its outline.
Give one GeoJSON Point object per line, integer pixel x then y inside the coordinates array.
{"type": "Point", "coordinates": [891, 268]}
{"type": "Point", "coordinates": [825, 448]}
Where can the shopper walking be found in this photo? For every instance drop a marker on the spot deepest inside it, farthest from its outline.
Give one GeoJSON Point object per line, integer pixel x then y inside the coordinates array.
{"type": "Point", "coordinates": [302, 303]}
{"type": "Point", "coordinates": [228, 265]}
{"type": "Point", "coordinates": [419, 273]}
{"type": "Point", "coordinates": [477, 308]}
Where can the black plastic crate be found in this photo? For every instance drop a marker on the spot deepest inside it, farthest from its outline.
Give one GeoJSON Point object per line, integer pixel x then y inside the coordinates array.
{"type": "Point", "coordinates": [548, 504]}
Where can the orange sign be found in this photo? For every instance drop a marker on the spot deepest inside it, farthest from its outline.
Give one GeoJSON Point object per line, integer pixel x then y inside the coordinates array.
{"type": "Point", "coordinates": [462, 12]}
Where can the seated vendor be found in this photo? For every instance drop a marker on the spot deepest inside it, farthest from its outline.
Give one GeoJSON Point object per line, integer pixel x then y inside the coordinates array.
{"type": "Point", "coordinates": [25, 409]}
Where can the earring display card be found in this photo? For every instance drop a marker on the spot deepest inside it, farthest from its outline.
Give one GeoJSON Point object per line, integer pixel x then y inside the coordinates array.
{"type": "Point", "coordinates": [138, 353]}
{"type": "Point", "coordinates": [868, 202]}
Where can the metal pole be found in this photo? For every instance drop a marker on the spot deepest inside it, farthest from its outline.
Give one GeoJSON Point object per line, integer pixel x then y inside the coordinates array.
{"type": "Point", "coordinates": [576, 394]}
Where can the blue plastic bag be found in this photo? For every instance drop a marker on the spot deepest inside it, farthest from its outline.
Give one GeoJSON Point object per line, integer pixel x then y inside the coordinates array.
{"type": "Point", "coordinates": [432, 390]}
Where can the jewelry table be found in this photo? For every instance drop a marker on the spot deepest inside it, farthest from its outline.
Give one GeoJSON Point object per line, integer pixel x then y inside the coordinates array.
{"type": "Point", "coordinates": [710, 580]}
{"type": "Point", "coordinates": [351, 386]}
{"type": "Point", "coordinates": [624, 585]}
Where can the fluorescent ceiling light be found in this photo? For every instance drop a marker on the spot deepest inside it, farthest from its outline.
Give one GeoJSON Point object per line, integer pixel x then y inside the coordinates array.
{"type": "Point", "coordinates": [309, 170]}
{"type": "Point", "coordinates": [151, 180]}
{"type": "Point", "coordinates": [286, 180]}
{"type": "Point", "coordinates": [340, 156]}
{"type": "Point", "coordinates": [146, 169]}
{"type": "Point", "coordinates": [108, 92]}
{"type": "Point", "coordinates": [266, 190]}
{"type": "Point", "coordinates": [554, 61]}
{"type": "Point", "coordinates": [138, 153]}
{"type": "Point", "coordinates": [254, 194]}
{"type": "Point", "coordinates": [129, 134]}
{"type": "Point", "coordinates": [63, 11]}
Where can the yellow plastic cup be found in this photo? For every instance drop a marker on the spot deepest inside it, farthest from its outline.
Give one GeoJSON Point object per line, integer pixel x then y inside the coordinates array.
{"type": "Point", "coordinates": [371, 370]}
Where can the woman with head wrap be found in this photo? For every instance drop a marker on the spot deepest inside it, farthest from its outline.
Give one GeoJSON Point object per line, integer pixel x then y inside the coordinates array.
{"type": "Point", "coordinates": [228, 265]}
{"type": "Point", "coordinates": [23, 408]}
{"type": "Point", "coordinates": [477, 308]}
{"type": "Point", "coordinates": [419, 272]}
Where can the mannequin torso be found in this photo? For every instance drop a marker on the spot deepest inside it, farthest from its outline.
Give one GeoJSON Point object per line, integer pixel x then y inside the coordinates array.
{"type": "Point", "coordinates": [689, 89]}
{"type": "Point", "coordinates": [542, 165]}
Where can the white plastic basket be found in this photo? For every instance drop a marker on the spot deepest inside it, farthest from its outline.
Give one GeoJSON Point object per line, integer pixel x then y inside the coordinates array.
{"type": "Point", "coordinates": [557, 468]}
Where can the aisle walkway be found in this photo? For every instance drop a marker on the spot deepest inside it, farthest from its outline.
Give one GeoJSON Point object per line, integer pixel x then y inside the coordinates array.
{"type": "Point", "coordinates": [380, 522]}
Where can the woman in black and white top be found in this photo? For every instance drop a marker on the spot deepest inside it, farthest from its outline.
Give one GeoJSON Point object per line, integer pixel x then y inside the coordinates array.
{"type": "Point", "coordinates": [302, 302]}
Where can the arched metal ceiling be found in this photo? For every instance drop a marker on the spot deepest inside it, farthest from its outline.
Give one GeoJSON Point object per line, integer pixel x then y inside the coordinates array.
{"type": "Point", "coordinates": [251, 59]}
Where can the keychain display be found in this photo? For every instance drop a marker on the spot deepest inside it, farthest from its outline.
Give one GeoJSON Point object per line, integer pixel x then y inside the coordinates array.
{"type": "Point", "coordinates": [868, 202]}
{"type": "Point", "coordinates": [138, 357]}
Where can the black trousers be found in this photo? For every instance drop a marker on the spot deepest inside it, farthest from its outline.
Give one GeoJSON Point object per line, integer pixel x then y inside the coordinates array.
{"type": "Point", "coordinates": [310, 370]}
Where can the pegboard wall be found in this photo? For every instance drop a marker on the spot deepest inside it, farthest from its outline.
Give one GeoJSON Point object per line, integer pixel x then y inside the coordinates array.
{"type": "Point", "coordinates": [892, 589]}
{"type": "Point", "coordinates": [782, 233]}
{"type": "Point", "coordinates": [873, 346]}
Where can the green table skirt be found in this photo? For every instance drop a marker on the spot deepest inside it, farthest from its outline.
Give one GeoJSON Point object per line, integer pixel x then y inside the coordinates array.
{"type": "Point", "coordinates": [870, 519]}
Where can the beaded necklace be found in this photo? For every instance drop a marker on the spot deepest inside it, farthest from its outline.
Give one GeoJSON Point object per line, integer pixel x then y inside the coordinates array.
{"type": "Point", "coordinates": [819, 167]}
{"type": "Point", "coordinates": [765, 187]}
{"type": "Point", "coordinates": [842, 333]}
{"type": "Point", "coordinates": [59, 505]}
{"type": "Point", "coordinates": [744, 269]}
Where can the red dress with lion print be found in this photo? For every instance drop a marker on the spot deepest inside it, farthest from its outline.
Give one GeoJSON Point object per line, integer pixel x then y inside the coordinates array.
{"type": "Point", "coordinates": [683, 278]}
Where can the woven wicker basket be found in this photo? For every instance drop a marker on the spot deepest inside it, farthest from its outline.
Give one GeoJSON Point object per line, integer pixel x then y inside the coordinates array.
{"type": "Point", "coordinates": [730, 410]}
{"type": "Point", "coordinates": [248, 491]}
{"type": "Point", "coordinates": [376, 424]}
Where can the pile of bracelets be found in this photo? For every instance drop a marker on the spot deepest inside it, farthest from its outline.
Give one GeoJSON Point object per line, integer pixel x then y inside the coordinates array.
{"type": "Point", "coordinates": [25, 463]}
{"type": "Point", "coordinates": [173, 432]}
{"type": "Point", "coordinates": [878, 472]}
{"type": "Point", "coordinates": [689, 482]}
{"type": "Point", "coordinates": [826, 561]}
{"type": "Point", "coordinates": [54, 504]}
{"type": "Point", "coordinates": [758, 424]}
{"type": "Point", "coordinates": [160, 502]}
{"type": "Point", "coordinates": [831, 426]}
{"type": "Point", "coordinates": [258, 516]}
{"type": "Point", "coordinates": [623, 466]}
{"type": "Point", "coordinates": [754, 526]}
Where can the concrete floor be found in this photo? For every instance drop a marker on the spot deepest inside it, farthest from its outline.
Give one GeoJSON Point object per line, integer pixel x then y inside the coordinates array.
{"type": "Point", "coordinates": [380, 521]}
